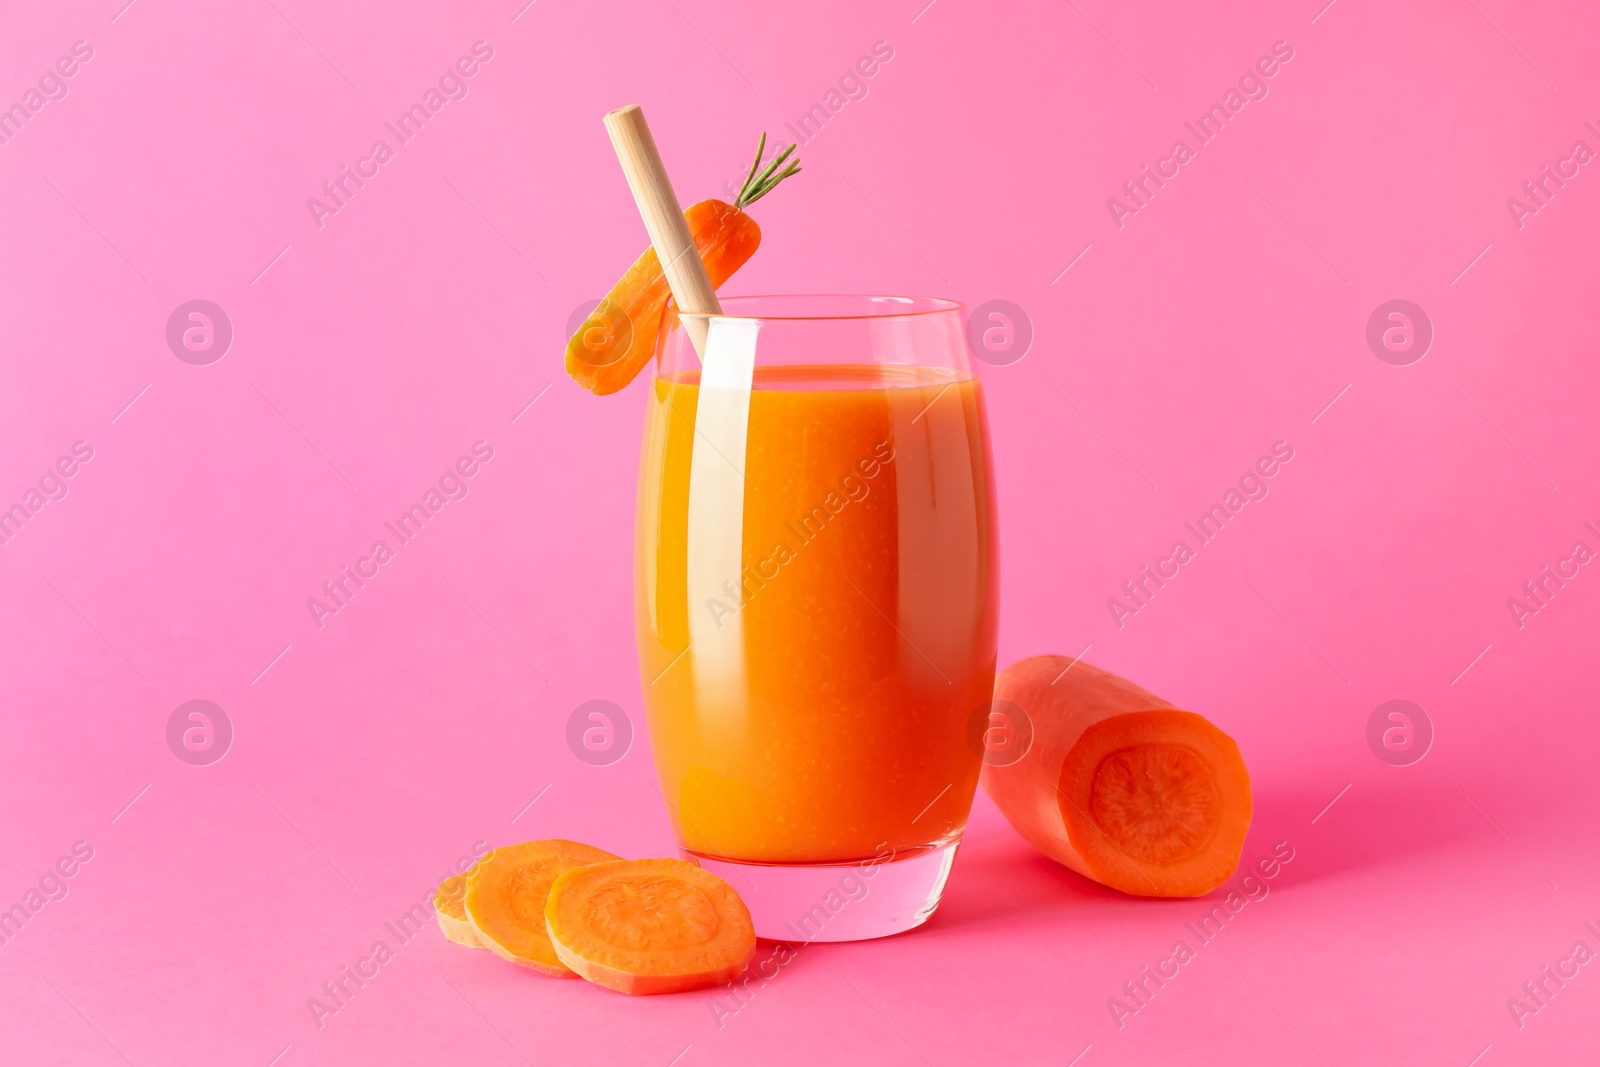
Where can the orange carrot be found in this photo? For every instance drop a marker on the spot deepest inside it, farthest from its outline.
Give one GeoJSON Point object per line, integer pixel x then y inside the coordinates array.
{"type": "Point", "coordinates": [618, 338]}
{"type": "Point", "coordinates": [450, 908]}
{"type": "Point", "coordinates": [649, 926]}
{"type": "Point", "coordinates": [1119, 785]}
{"type": "Point", "coordinates": [505, 899]}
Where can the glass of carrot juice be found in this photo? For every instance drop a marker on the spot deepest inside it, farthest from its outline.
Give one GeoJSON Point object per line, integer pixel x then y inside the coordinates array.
{"type": "Point", "coordinates": [816, 594]}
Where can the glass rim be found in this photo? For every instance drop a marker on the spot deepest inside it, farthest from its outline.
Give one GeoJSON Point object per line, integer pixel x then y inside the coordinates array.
{"type": "Point", "coordinates": [911, 307]}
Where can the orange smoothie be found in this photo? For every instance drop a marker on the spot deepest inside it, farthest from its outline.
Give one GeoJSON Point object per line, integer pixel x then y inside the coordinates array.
{"type": "Point", "coordinates": [816, 608]}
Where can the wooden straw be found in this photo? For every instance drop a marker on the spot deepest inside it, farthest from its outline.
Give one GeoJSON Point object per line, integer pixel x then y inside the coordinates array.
{"type": "Point", "coordinates": [663, 218]}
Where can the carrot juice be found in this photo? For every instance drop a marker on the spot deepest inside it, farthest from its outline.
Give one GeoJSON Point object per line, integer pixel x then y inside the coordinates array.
{"type": "Point", "coordinates": [816, 605]}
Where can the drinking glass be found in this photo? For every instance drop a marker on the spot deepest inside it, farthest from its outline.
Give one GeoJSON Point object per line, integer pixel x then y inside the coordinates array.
{"type": "Point", "coordinates": [816, 595]}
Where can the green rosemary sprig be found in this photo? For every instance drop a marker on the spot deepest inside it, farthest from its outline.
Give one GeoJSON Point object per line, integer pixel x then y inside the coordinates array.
{"type": "Point", "coordinates": [758, 185]}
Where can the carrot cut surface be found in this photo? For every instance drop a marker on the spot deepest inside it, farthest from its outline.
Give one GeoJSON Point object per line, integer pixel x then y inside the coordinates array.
{"type": "Point", "coordinates": [649, 926]}
{"type": "Point", "coordinates": [618, 338]}
{"type": "Point", "coordinates": [505, 899]}
{"type": "Point", "coordinates": [1120, 785]}
{"type": "Point", "coordinates": [450, 908]}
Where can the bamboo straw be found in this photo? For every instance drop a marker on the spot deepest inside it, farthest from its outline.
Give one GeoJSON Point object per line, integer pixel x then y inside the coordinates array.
{"type": "Point", "coordinates": [663, 218]}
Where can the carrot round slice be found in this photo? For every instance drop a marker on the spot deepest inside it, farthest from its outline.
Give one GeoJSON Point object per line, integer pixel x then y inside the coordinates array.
{"type": "Point", "coordinates": [450, 908]}
{"type": "Point", "coordinates": [618, 338]}
{"type": "Point", "coordinates": [1120, 785]}
{"type": "Point", "coordinates": [505, 899]}
{"type": "Point", "coordinates": [649, 926]}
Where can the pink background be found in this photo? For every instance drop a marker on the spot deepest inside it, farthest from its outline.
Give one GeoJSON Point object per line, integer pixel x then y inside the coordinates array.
{"type": "Point", "coordinates": [427, 314]}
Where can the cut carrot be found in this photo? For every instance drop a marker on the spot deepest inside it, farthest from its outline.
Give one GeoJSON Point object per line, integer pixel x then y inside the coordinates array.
{"type": "Point", "coordinates": [618, 338]}
{"type": "Point", "coordinates": [1120, 785]}
{"type": "Point", "coordinates": [649, 926]}
{"type": "Point", "coordinates": [450, 908]}
{"type": "Point", "coordinates": [506, 894]}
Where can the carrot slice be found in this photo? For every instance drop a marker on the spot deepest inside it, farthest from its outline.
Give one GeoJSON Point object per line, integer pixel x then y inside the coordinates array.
{"type": "Point", "coordinates": [506, 894]}
{"type": "Point", "coordinates": [649, 926]}
{"type": "Point", "coordinates": [619, 336]}
{"type": "Point", "coordinates": [1120, 785]}
{"type": "Point", "coordinates": [450, 908]}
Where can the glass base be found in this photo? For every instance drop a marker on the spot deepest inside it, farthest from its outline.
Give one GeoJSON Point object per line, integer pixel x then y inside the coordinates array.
{"type": "Point", "coordinates": [804, 902]}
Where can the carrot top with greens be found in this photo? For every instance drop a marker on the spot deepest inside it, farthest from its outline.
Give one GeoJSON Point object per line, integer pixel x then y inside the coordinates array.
{"type": "Point", "coordinates": [617, 339]}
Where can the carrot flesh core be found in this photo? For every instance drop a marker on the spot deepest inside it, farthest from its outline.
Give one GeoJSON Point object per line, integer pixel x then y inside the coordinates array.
{"type": "Point", "coordinates": [649, 926]}
{"type": "Point", "coordinates": [1158, 802]}
{"type": "Point", "coordinates": [618, 338]}
{"type": "Point", "coordinates": [506, 894]}
{"type": "Point", "coordinates": [1120, 785]}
